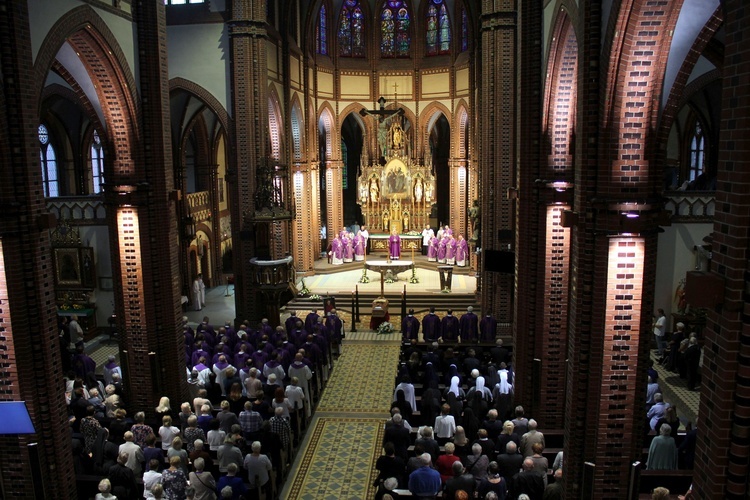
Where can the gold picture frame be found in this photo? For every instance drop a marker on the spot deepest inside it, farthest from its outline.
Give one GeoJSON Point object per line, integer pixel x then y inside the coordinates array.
{"type": "Point", "coordinates": [67, 266]}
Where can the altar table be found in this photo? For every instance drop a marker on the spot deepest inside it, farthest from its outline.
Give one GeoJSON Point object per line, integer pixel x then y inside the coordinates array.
{"type": "Point", "coordinates": [379, 241]}
{"type": "Point", "coordinates": [384, 267]}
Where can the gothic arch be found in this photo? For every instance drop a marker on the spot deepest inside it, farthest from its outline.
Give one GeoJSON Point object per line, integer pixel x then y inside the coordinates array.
{"type": "Point", "coordinates": [637, 66]}
{"type": "Point", "coordinates": [310, 26]}
{"type": "Point", "coordinates": [368, 130]}
{"type": "Point", "coordinates": [559, 114]}
{"type": "Point", "coordinates": [461, 126]}
{"type": "Point", "coordinates": [370, 33]}
{"type": "Point", "coordinates": [204, 95]}
{"type": "Point", "coordinates": [679, 89]}
{"type": "Point", "coordinates": [107, 67]}
{"type": "Point", "coordinates": [275, 125]}
{"type": "Point", "coordinates": [297, 120]}
{"type": "Point", "coordinates": [325, 118]}
{"type": "Point", "coordinates": [415, 29]}
{"type": "Point", "coordinates": [427, 119]}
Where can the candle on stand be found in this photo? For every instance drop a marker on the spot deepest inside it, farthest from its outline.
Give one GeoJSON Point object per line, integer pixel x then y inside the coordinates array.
{"type": "Point", "coordinates": [354, 318]}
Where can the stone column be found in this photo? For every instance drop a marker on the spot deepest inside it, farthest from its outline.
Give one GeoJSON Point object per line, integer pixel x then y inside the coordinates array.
{"type": "Point", "coordinates": [29, 347]}
{"type": "Point", "coordinates": [249, 80]}
{"type": "Point", "coordinates": [497, 109]}
{"type": "Point", "coordinates": [725, 388]}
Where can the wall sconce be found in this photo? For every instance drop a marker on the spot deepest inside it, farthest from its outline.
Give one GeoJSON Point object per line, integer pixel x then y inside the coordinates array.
{"type": "Point", "coordinates": [512, 193]}
{"type": "Point", "coordinates": [569, 218]}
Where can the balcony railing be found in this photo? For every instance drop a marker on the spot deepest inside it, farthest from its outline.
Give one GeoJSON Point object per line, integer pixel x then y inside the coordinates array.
{"type": "Point", "coordinates": [691, 206]}
{"type": "Point", "coordinates": [82, 210]}
{"type": "Point", "coordinates": [199, 205]}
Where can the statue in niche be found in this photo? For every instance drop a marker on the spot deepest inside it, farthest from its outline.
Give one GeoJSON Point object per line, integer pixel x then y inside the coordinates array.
{"type": "Point", "coordinates": [418, 190]}
{"type": "Point", "coordinates": [476, 222]}
{"type": "Point", "coordinates": [397, 135]}
{"type": "Point", "coordinates": [374, 190]}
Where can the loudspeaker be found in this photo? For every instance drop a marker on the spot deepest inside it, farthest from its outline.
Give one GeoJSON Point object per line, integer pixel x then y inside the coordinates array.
{"type": "Point", "coordinates": [500, 261]}
{"type": "Point", "coordinates": [505, 234]}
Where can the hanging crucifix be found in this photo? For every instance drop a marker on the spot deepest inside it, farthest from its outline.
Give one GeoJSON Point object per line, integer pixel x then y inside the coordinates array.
{"type": "Point", "coordinates": [383, 116]}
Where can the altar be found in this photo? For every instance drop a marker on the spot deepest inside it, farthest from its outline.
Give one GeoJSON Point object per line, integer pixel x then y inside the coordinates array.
{"type": "Point", "coordinates": [379, 241]}
{"type": "Point", "coordinates": [389, 269]}
{"type": "Point", "coordinates": [396, 191]}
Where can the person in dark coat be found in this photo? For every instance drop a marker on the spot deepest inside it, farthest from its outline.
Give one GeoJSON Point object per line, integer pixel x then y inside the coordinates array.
{"type": "Point", "coordinates": [399, 436]}
{"type": "Point", "coordinates": [410, 327]}
{"type": "Point", "coordinates": [528, 481]}
{"type": "Point", "coordinates": [431, 326]}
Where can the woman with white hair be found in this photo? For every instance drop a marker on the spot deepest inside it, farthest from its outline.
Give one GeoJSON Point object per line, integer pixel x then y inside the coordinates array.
{"type": "Point", "coordinates": [477, 463]}
{"type": "Point", "coordinates": [112, 402]}
{"type": "Point", "coordinates": [203, 482]}
{"type": "Point", "coordinates": [105, 491]}
{"type": "Point", "coordinates": [662, 454]}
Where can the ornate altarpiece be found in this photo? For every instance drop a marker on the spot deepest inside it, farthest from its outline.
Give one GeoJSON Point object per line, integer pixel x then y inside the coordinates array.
{"type": "Point", "coordinates": [398, 195]}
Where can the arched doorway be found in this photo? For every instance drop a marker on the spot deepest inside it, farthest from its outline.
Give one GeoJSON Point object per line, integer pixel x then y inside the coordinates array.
{"type": "Point", "coordinates": [439, 149]}
{"type": "Point", "coordinates": [351, 152]}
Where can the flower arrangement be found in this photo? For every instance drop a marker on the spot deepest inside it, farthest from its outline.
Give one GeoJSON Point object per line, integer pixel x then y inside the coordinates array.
{"type": "Point", "coordinates": [385, 328]}
{"type": "Point", "coordinates": [315, 297]}
{"type": "Point", "coordinates": [304, 291]}
{"type": "Point", "coordinates": [364, 278]}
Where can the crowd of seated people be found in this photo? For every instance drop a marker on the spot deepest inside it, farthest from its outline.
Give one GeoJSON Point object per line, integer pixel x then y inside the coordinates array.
{"type": "Point", "coordinates": [454, 431]}
{"type": "Point", "coordinates": [252, 393]}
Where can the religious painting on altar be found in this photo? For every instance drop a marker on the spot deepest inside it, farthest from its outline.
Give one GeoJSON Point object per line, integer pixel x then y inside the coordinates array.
{"type": "Point", "coordinates": [396, 195]}
{"type": "Point", "coordinates": [396, 180]}
{"type": "Point", "coordinates": [74, 267]}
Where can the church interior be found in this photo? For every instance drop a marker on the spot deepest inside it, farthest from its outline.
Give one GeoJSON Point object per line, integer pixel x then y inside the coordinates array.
{"type": "Point", "coordinates": [583, 161]}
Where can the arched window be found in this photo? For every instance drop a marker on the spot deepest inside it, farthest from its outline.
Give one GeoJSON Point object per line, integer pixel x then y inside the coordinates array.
{"type": "Point", "coordinates": [438, 28]}
{"type": "Point", "coordinates": [48, 163]}
{"type": "Point", "coordinates": [394, 29]}
{"type": "Point", "coordinates": [464, 30]}
{"type": "Point", "coordinates": [351, 30]}
{"type": "Point", "coordinates": [697, 152]}
{"type": "Point", "coordinates": [321, 32]}
{"type": "Point", "coordinates": [271, 12]}
{"type": "Point", "coordinates": [97, 164]}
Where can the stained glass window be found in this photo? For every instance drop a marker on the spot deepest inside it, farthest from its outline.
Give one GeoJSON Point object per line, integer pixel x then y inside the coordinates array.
{"type": "Point", "coordinates": [464, 30]}
{"type": "Point", "coordinates": [697, 152]}
{"type": "Point", "coordinates": [321, 33]}
{"type": "Point", "coordinates": [394, 28]}
{"type": "Point", "coordinates": [438, 28]}
{"type": "Point", "coordinates": [97, 164]}
{"type": "Point", "coordinates": [351, 33]}
{"type": "Point", "coordinates": [48, 161]}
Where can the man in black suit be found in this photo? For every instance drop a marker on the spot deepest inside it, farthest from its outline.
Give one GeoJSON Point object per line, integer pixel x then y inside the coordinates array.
{"type": "Point", "coordinates": [528, 481]}
{"type": "Point", "coordinates": [509, 462]}
{"type": "Point", "coordinates": [399, 436]}
{"type": "Point", "coordinates": [460, 481]}
{"type": "Point", "coordinates": [499, 353]}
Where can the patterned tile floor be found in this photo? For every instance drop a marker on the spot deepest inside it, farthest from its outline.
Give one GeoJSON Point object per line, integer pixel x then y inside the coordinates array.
{"type": "Point", "coordinates": [676, 392]}
{"type": "Point", "coordinates": [337, 458]}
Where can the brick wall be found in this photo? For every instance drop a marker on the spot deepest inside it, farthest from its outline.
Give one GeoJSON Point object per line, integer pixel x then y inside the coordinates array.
{"type": "Point", "coordinates": [497, 128]}
{"type": "Point", "coordinates": [30, 361]}
{"type": "Point", "coordinates": [725, 389]}
{"type": "Point", "coordinates": [249, 81]}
